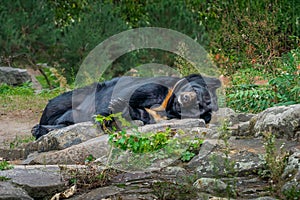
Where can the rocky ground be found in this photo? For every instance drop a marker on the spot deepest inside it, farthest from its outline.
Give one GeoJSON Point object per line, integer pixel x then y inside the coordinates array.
{"type": "Point", "coordinates": [231, 163]}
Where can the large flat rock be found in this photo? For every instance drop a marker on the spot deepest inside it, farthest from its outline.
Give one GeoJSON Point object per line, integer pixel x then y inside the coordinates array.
{"type": "Point", "coordinates": [38, 181]}
{"type": "Point", "coordinates": [9, 191]}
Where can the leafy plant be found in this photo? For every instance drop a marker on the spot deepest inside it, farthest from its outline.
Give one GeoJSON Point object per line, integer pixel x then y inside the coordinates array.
{"type": "Point", "coordinates": [55, 79]}
{"type": "Point", "coordinates": [90, 158]}
{"type": "Point", "coordinates": [187, 156]}
{"type": "Point", "coordinates": [275, 163]}
{"type": "Point", "coordinates": [249, 34]}
{"type": "Point", "coordinates": [24, 89]}
{"type": "Point", "coordinates": [286, 81]}
{"type": "Point", "coordinates": [3, 178]}
{"type": "Point", "coordinates": [292, 194]}
{"type": "Point", "coordinates": [245, 95]}
{"type": "Point", "coordinates": [81, 37]}
{"type": "Point", "coordinates": [4, 165]}
{"type": "Point", "coordinates": [137, 142]}
{"type": "Point", "coordinates": [250, 98]}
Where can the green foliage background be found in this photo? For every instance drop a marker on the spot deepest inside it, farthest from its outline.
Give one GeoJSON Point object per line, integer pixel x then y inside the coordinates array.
{"type": "Point", "coordinates": [245, 39]}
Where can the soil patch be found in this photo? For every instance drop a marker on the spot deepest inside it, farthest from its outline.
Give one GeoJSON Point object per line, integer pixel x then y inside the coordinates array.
{"type": "Point", "coordinates": [17, 124]}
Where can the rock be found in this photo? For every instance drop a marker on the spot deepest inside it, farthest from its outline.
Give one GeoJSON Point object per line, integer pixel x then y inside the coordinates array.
{"type": "Point", "coordinates": [292, 174]}
{"type": "Point", "coordinates": [66, 140]}
{"type": "Point", "coordinates": [97, 147]}
{"type": "Point", "coordinates": [292, 166]}
{"type": "Point", "coordinates": [55, 140]}
{"type": "Point", "coordinates": [238, 123]}
{"type": "Point", "coordinates": [13, 154]}
{"type": "Point", "coordinates": [177, 124]}
{"type": "Point", "coordinates": [207, 133]}
{"type": "Point", "coordinates": [38, 181]}
{"type": "Point", "coordinates": [243, 158]}
{"type": "Point", "coordinates": [173, 170]}
{"type": "Point", "coordinates": [99, 193]}
{"type": "Point", "coordinates": [243, 129]}
{"type": "Point", "coordinates": [284, 121]}
{"type": "Point", "coordinates": [246, 162]}
{"type": "Point", "coordinates": [222, 114]}
{"type": "Point", "coordinates": [66, 137]}
{"type": "Point", "coordinates": [13, 76]}
{"type": "Point", "coordinates": [206, 148]}
{"type": "Point", "coordinates": [265, 198]}
{"type": "Point", "coordinates": [212, 186]}
{"type": "Point", "coordinates": [231, 116]}
{"type": "Point", "coordinates": [8, 191]}
{"type": "Point", "coordinates": [244, 117]}
{"type": "Point", "coordinates": [224, 167]}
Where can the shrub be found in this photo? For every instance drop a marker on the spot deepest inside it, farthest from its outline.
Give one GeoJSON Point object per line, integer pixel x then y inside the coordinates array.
{"type": "Point", "coordinates": [246, 34]}
{"type": "Point", "coordinates": [27, 32]}
{"type": "Point", "coordinates": [281, 89]}
{"type": "Point", "coordinates": [24, 89]}
{"type": "Point", "coordinates": [286, 81]}
{"type": "Point", "coordinates": [97, 23]}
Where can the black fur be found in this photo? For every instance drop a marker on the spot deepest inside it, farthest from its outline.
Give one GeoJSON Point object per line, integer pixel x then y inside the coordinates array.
{"type": "Point", "coordinates": [132, 96]}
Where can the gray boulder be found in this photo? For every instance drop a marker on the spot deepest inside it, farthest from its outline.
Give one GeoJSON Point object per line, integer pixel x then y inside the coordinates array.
{"type": "Point", "coordinates": [66, 137]}
{"type": "Point", "coordinates": [9, 191]}
{"type": "Point", "coordinates": [75, 143]}
{"type": "Point", "coordinates": [231, 116]}
{"type": "Point", "coordinates": [183, 124]}
{"type": "Point", "coordinates": [284, 121]}
{"type": "Point", "coordinates": [13, 76]}
{"type": "Point", "coordinates": [211, 185]}
{"type": "Point", "coordinates": [97, 147]}
{"type": "Point", "coordinates": [39, 182]}
{"type": "Point", "coordinates": [100, 193]}
{"type": "Point", "coordinates": [292, 173]}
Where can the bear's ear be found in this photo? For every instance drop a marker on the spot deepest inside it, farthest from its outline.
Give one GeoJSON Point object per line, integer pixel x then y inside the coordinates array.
{"type": "Point", "coordinates": [181, 85]}
{"type": "Point", "coordinates": [212, 82]}
{"type": "Point", "coordinates": [186, 83]}
{"type": "Point", "coordinates": [197, 78]}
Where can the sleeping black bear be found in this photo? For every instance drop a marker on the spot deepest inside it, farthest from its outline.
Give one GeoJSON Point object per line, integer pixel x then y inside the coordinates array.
{"type": "Point", "coordinates": [146, 99]}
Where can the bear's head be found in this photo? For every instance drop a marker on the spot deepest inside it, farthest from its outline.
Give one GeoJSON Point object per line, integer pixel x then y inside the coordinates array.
{"type": "Point", "coordinates": [191, 99]}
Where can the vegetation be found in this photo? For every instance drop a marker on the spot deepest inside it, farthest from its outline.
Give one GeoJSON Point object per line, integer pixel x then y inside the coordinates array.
{"type": "Point", "coordinates": [254, 44]}
{"type": "Point", "coordinates": [4, 165]}
{"type": "Point", "coordinates": [88, 177]}
{"type": "Point", "coordinates": [249, 41]}
{"type": "Point", "coordinates": [19, 140]}
{"type": "Point", "coordinates": [225, 161]}
{"type": "Point", "coordinates": [3, 178]}
{"type": "Point", "coordinates": [18, 98]}
{"type": "Point", "coordinates": [137, 142]}
{"type": "Point", "coordinates": [279, 88]}
{"type": "Point", "coordinates": [275, 162]}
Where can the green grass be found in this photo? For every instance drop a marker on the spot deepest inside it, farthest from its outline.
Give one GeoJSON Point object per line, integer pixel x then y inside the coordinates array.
{"type": "Point", "coordinates": [19, 140]}
{"type": "Point", "coordinates": [23, 98]}
{"type": "Point", "coordinates": [4, 165]}
{"type": "Point", "coordinates": [3, 178]}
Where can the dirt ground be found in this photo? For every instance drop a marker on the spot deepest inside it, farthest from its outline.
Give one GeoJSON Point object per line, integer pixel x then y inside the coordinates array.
{"type": "Point", "coordinates": [17, 124]}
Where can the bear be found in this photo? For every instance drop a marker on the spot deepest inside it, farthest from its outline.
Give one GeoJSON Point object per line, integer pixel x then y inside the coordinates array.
{"type": "Point", "coordinates": [149, 100]}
